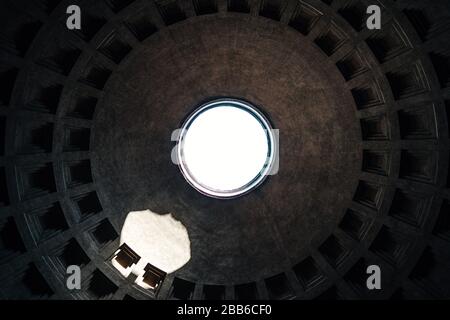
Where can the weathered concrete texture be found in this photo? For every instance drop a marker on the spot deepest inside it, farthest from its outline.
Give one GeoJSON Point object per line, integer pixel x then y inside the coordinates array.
{"type": "Point", "coordinates": [273, 67]}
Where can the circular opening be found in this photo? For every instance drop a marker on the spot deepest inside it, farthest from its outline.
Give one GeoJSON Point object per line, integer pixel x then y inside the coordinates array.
{"type": "Point", "coordinates": [226, 148]}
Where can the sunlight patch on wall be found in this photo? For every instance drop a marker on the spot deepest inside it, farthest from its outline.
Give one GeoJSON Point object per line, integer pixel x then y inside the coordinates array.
{"type": "Point", "coordinates": [159, 240]}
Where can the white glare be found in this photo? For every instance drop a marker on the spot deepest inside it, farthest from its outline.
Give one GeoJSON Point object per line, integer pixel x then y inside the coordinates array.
{"type": "Point", "coordinates": [225, 148]}
{"type": "Point", "coordinates": [158, 239]}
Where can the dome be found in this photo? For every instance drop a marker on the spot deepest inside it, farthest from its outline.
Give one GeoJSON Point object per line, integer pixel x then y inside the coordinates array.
{"type": "Point", "coordinates": [341, 133]}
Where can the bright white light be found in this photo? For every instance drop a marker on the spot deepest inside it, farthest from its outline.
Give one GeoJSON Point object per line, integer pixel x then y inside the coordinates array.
{"type": "Point", "coordinates": [225, 148]}
{"type": "Point", "coordinates": [158, 239]}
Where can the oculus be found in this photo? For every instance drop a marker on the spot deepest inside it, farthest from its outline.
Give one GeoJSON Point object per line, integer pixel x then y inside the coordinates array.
{"type": "Point", "coordinates": [226, 148]}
